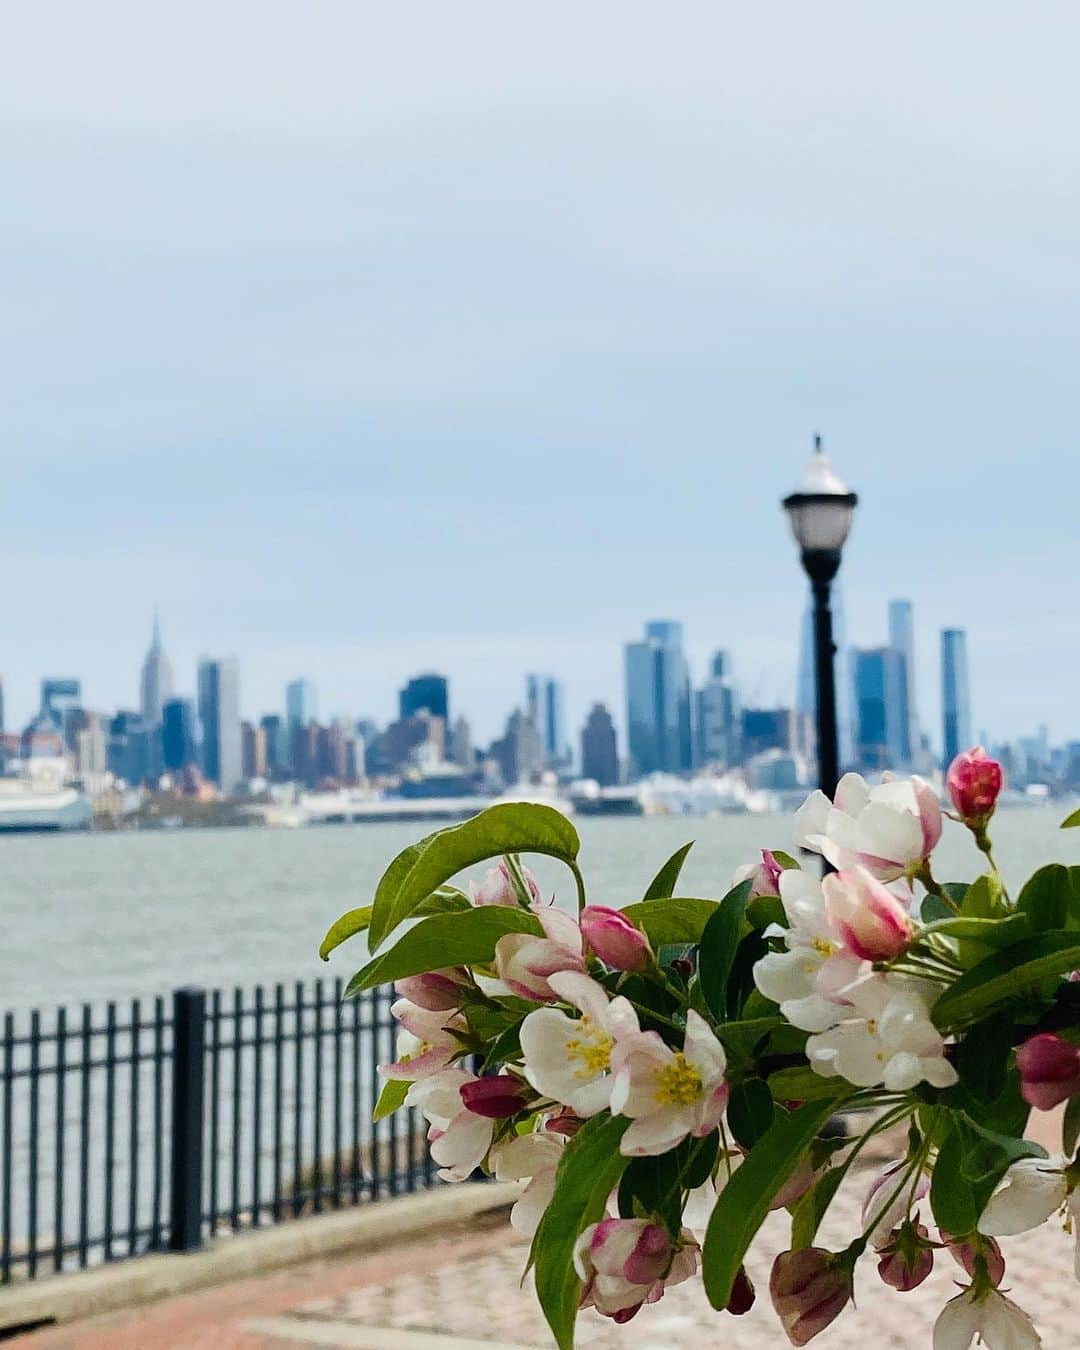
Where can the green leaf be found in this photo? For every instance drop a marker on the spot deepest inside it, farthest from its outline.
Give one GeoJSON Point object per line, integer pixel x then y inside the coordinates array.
{"type": "Point", "coordinates": [719, 943]}
{"type": "Point", "coordinates": [446, 900]}
{"type": "Point", "coordinates": [1045, 898]}
{"type": "Point", "coordinates": [355, 921]}
{"type": "Point", "coordinates": [786, 861]}
{"type": "Point", "coordinates": [811, 1208]}
{"type": "Point", "coordinates": [511, 827]}
{"type": "Point", "coordinates": [669, 921]}
{"type": "Point", "coordinates": [802, 1084]}
{"type": "Point", "coordinates": [1006, 975]}
{"type": "Point", "coordinates": [971, 1162]}
{"type": "Point", "coordinates": [464, 939]}
{"type": "Point", "coordinates": [749, 1111]}
{"type": "Point", "coordinates": [589, 1170]}
{"type": "Point", "coordinates": [982, 1057]}
{"type": "Point", "coordinates": [662, 886]}
{"type": "Point", "coordinates": [390, 1098]}
{"type": "Point", "coordinates": [744, 1202]}
{"type": "Point", "coordinates": [763, 910]}
{"type": "Point", "coordinates": [983, 899]}
{"type": "Point", "coordinates": [1071, 822]}
{"type": "Point", "coordinates": [1071, 1127]}
{"type": "Point", "coordinates": [652, 1187]}
{"type": "Point", "coordinates": [933, 907]}
{"type": "Point", "coordinates": [952, 1197]}
{"type": "Point", "coordinates": [996, 933]}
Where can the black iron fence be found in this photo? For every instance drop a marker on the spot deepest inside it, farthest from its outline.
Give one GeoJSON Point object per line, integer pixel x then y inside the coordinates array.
{"type": "Point", "coordinates": [149, 1128]}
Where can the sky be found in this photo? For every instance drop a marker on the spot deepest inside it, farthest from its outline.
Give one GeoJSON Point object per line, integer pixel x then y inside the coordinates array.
{"type": "Point", "coordinates": [363, 338]}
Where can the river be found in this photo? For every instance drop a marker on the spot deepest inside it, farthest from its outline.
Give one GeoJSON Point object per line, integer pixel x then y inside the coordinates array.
{"type": "Point", "coordinates": [99, 916]}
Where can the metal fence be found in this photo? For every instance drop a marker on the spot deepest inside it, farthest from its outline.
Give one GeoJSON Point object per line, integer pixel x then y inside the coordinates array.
{"type": "Point", "coordinates": [149, 1128]}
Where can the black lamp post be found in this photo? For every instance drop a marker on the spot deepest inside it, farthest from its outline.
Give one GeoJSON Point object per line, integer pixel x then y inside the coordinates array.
{"type": "Point", "coordinates": [820, 512]}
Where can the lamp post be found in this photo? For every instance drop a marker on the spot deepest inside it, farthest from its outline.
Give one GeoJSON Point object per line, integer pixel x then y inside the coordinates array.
{"type": "Point", "coordinates": [820, 512]}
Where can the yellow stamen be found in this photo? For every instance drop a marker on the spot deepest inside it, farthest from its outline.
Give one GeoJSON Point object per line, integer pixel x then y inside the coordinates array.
{"type": "Point", "coordinates": [678, 1083]}
{"type": "Point", "coordinates": [592, 1047]}
{"type": "Point", "coordinates": [823, 946]}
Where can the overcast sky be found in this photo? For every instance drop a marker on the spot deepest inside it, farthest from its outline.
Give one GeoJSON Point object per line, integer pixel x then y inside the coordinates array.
{"type": "Point", "coordinates": [363, 338]}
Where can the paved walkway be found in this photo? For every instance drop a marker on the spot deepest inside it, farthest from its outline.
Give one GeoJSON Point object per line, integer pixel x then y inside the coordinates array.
{"type": "Point", "coordinates": [460, 1291]}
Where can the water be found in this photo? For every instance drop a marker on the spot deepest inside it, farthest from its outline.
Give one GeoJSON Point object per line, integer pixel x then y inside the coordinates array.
{"type": "Point", "coordinates": [98, 916]}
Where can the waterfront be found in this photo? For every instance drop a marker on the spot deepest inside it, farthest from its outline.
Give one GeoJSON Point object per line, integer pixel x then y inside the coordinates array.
{"type": "Point", "coordinates": [98, 916]}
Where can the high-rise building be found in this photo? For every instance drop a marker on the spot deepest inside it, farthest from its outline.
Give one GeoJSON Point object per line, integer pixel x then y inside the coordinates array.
{"type": "Point", "coordinates": [60, 697]}
{"type": "Point", "coordinates": [658, 700]}
{"type": "Point", "coordinates": [878, 674]}
{"type": "Point", "coordinates": [179, 735]}
{"type": "Point", "coordinates": [955, 694]}
{"type": "Point", "coordinates": [518, 754]}
{"type": "Point", "coordinates": [219, 716]}
{"type": "Point", "coordinates": [128, 747]}
{"type": "Point", "coordinates": [902, 641]}
{"type": "Point", "coordinates": [717, 724]}
{"type": "Point", "coordinates": [428, 692]}
{"type": "Point", "coordinates": [769, 729]}
{"type": "Point", "coordinates": [599, 747]}
{"type": "Point", "coordinates": [276, 733]}
{"type": "Point", "coordinates": [253, 750]}
{"type": "Point", "coordinates": [460, 745]}
{"type": "Point", "coordinates": [300, 708]}
{"type": "Point", "coordinates": [157, 680]}
{"type": "Point", "coordinates": [544, 704]}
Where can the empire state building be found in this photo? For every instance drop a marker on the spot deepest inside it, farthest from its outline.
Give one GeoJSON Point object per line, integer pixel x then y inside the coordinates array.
{"type": "Point", "coordinates": [157, 681]}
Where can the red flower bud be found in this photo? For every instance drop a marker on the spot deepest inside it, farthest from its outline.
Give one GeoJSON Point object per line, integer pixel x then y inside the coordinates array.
{"type": "Point", "coordinates": [742, 1294]}
{"type": "Point", "coordinates": [908, 1259]}
{"type": "Point", "coordinates": [966, 1252]}
{"type": "Point", "coordinates": [809, 1289]}
{"type": "Point", "coordinates": [1049, 1070]}
{"type": "Point", "coordinates": [974, 781]}
{"type": "Point", "coordinates": [495, 1098]}
{"type": "Point", "coordinates": [614, 939]}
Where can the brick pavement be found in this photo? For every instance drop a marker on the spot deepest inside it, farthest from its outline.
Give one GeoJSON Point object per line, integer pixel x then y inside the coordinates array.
{"type": "Point", "coordinates": [460, 1291]}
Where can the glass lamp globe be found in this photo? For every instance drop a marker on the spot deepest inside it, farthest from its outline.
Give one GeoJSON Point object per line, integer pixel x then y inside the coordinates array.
{"type": "Point", "coordinates": [821, 508]}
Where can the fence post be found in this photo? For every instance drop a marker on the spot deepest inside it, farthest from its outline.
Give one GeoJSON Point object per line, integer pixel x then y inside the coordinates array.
{"type": "Point", "coordinates": [189, 1051]}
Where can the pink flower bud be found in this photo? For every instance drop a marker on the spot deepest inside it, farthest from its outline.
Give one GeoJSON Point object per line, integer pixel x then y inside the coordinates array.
{"type": "Point", "coordinates": [495, 1098]}
{"type": "Point", "coordinates": [974, 781]}
{"type": "Point", "coordinates": [764, 877]}
{"type": "Point", "coordinates": [614, 939]}
{"type": "Point", "coordinates": [966, 1253]}
{"type": "Point", "coordinates": [498, 889]}
{"type": "Point", "coordinates": [565, 1123]}
{"type": "Point", "coordinates": [908, 1259]}
{"type": "Point", "coordinates": [1049, 1070]}
{"type": "Point", "coordinates": [797, 1184]}
{"type": "Point", "coordinates": [809, 1289]}
{"type": "Point", "coordinates": [743, 1294]}
{"type": "Point", "coordinates": [435, 990]}
{"type": "Point", "coordinates": [872, 919]}
{"type": "Point", "coordinates": [623, 1263]}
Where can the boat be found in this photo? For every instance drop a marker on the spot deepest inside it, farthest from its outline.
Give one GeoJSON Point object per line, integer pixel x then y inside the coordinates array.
{"type": "Point", "coordinates": [27, 805]}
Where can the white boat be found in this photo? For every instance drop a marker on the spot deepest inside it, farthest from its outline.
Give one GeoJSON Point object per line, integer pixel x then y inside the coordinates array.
{"type": "Point", "coordinates": [26, 805]}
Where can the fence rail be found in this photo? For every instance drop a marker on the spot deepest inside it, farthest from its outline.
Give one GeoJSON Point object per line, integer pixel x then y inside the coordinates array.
{"type": "Point", "coordinates": [152, 1127]}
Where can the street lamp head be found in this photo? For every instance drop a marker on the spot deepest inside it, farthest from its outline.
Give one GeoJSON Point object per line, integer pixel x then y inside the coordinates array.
{"type": "Point", "coordinates": [820, 510]}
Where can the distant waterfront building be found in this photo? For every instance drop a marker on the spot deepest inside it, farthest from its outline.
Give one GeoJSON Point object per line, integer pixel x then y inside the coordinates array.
{"type": "Point", "coordinates": [300, 708]}
{"type": "Point", "coordinates": [459, 749]}
{"type": "Point", "coordinates": [179, 735]}
{"type": "Point", "coordinates": [658, 700]}
{"type": "Point", "coordinates": [769, 729]}
{"type": "Point", "coordinates": [429, 692]}
{"type": "Point", "coordinates": [404, 740]}
{"type": "Point", "coordinates": [544, 703]}
{"type": "Point", "coordinates": [955, 694]}
{"type": "Point", "coordinates": [91, 746]}
{"type": "Point", "coordinates": [716, 724]}
{"type": "Point", "coordinates": [334, 752]}
{"type": "Point", "coordinates": [519, 754]}
{"type": "Point", "coordinates": [276, 734]}
{"type": "Point", "coordinates": [219, 716]}
{"type": "Point", "coordinates": [128, 747]}
{"type": "Point", "coordinates": [60, 697]}
{"type": "Point", "coordinates": [599, 747]}
{"type": "Point", "coordinates": [878, 674]}
{"type": "Point", "coordinates": [253, 750]}
{"type": "Point", "coordinates": [902, 641]}
{"type": "Point", "coordinates": [156, 685]}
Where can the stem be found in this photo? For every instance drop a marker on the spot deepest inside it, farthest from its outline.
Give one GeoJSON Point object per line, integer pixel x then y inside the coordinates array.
{"type": "Point", "coordinates": [580, 883]}
{"type": "Point", "coordinates": [927, 878]}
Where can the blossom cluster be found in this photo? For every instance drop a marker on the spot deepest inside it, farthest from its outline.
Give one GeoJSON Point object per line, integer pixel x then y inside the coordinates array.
{"type": "Point", "coordinates": [657, 1075]}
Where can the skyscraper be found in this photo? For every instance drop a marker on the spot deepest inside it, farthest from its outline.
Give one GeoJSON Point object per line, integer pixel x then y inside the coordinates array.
{"type": "Point", "coordinates": [902, 641]}
{"type": "Point", "coordinates": [179, 734]}
{"type": "Point", "coordinates": [157, 681]}
{"type": "Point", "coordinates": [599, 747]}
{"type": "Point", "coordinates": [518, 754]}
{"type": "Point", "coordinates": [299, 704]}
{"type": "Point", "coordinates": [544, 704]}
{"type": "Point", "coordinates": [717, 724]}
{"type": "Point", "coordinates": [430, 692]}
{"type": "Point", "coordinates": [877, 674]}
{"type": "Point", "coordinates": [955, 694]}
{"type": "Point", "coordinates": [219, 714]}
{"type": "Point", "coordinates": [658, 700]}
